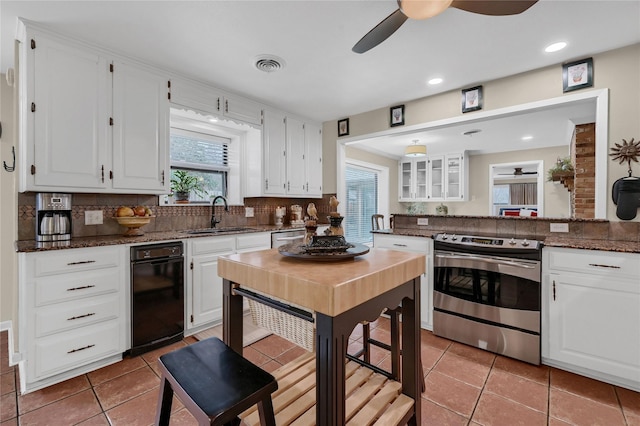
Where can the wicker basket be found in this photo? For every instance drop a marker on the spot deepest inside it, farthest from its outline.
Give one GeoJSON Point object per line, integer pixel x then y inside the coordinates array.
{"type": "Point", "coordinates": [294, 329]}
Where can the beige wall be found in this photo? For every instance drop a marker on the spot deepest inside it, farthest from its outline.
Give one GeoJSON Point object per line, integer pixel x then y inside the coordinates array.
{"type": "Point", "coordinates": [557, 202]}
{"type": "Point", "coordinates": [368, 157]}
{"type": "Point", "coordinates": [618, 70]}
{"type": "Point", "coordinates": [8, 209]}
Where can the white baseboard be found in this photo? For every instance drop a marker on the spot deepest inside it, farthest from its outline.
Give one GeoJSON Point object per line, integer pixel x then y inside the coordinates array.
{"type": "Point", "coordinates": [14, 357]}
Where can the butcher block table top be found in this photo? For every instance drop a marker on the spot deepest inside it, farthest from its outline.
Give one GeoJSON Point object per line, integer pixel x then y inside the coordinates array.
{"type": "Point", "coordinates": [330, 288]}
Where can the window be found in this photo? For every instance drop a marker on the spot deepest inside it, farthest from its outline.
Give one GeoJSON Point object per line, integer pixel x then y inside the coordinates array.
{"type": "Point", "coordinates": [203, 155]}
{"type": "Point", "coordinates": [362, 201]}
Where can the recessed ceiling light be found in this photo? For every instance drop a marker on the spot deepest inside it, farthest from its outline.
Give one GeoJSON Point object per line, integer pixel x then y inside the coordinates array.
{"type": "Point", "coordinates": [527, 138]}
{"type": "Point", "coordinates": [437, 80]}
{"type": "Point", "coordinates": [555, 47]}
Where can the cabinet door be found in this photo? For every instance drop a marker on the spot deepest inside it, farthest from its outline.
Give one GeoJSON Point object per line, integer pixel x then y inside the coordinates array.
{"type": "Point", "coordinates": [71, 104]}
{"type": "Point", "coordinates": [420, 178]}
{"type": "Point", "coordinates": [274, 137]}
{"type": "Point", "coordinates": [594, 323]}
{"type": "Point", "coordinates": [207, 290]}
{"type": "Point", "coordinates": [313, 157]}
{"type": "Point", "coordinates": [405, 192]}
{"type": "Point", "coordinates": [436, 178]}
{"type": "Point", "coordinates": [140, 130]}
{"type": "Point", "coordinates": [296, 178]}
{"type": "Point", "coordinates": [244, 110]}
{"type": "Point", "coordinates": [454, 178]}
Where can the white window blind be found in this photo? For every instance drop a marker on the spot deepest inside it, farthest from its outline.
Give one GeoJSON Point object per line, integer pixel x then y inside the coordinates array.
{"type": "Point", "coordinates": [362, 203]}
{"type": "Point", "coordinates": [203, 155]}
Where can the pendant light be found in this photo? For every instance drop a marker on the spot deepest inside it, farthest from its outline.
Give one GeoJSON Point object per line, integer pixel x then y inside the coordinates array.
{"type": "Point", "coordinates": [415, 150]}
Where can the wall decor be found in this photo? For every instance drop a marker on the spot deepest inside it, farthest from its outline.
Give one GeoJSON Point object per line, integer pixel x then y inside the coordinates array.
{"type": "Point", "coordinates": [396, 116]}
{"type": "Point", "coordinates": [472, 99]}
{"type": "Point", "coordinates": [343, 127]}
{"type": "Point", "coordinates": [577, 75]}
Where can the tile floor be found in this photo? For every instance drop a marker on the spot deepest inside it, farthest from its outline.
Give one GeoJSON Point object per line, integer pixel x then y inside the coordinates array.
{"type": "Point", "coordinates": [465, 386]}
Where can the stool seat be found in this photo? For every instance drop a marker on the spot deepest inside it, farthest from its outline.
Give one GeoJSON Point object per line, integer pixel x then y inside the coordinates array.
{"type": "Point", "coordinates": [214, 382]}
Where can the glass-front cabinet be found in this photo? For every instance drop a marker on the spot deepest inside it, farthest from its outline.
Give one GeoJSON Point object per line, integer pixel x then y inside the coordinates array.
{"type": "Point", "coordinates": [447, 177]}
{"type": "Point", "coordinates": [413, 178]}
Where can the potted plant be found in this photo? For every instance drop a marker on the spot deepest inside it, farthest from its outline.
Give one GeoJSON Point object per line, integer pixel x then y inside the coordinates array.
{"type": "Point", "coordinates": [562, 170]}
{"type": "Point", "coordinates": [182, 183]}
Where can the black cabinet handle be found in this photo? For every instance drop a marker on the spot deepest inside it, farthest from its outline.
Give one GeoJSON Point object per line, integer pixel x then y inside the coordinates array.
{"type": "Point", "coordinates": [80, 349]}
{"type": "Point", "coordinates": [81, 316]}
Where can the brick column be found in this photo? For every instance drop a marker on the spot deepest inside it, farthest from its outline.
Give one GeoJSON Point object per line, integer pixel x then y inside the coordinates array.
{"type": "Point", "coordinates": [583, 197]}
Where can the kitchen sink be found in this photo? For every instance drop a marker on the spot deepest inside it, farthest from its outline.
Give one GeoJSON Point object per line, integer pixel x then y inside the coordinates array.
{"type": "Point", "coordinates": [215, 231]}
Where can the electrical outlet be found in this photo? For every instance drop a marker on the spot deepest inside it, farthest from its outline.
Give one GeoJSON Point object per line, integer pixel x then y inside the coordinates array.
{"type": "Point", "coordinates": [423, 221]}
{"type": "Point", "coordinates": [93, 217]}
{"type": "Point", "coordinates": [558, 227]}
{"type": "Point", "coordinates": [248, 212]}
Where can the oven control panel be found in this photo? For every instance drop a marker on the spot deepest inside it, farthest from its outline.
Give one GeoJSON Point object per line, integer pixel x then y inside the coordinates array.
{"type": "Point", "coordinates": [493, 242]}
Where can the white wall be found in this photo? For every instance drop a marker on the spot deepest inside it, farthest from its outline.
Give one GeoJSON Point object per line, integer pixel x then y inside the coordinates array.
{"type": "Point", "coordinates": [8, 209]}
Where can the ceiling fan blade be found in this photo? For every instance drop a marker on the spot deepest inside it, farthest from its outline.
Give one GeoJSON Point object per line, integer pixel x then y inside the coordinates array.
{"type": "Point", "coordinates": [494, 7]}
{"type": "Point", "coordinates": [380, 32]}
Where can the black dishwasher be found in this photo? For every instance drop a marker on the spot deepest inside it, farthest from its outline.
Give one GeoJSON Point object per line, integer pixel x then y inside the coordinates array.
{"type": "Point", "coordinates": [157, 296]}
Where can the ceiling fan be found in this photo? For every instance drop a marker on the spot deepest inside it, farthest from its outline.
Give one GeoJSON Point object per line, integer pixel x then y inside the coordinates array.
{"type": "Point", "coordinates": [517, 171]}
{"type": "Point", "coordinates": [423, 9]}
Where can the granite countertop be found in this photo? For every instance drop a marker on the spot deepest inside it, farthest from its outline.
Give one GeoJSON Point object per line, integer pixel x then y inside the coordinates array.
{"type": "Point", "coordinates": [552, 241]}
{"type": "Point", "coordinates": [26, 246]}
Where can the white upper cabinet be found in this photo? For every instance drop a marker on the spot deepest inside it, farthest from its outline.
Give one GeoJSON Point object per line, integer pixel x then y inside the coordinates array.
{"type": "Point", "coordinates": [73, 136]}
{"type": "Point", "coordinates": [274, 154]}
{"type": "Point", "coordinates": [67, 116]}
{"type": "Point", "coordinates": [313, 159]}
{"type": "Point", "coordinates": [291, 158]}
{"type": "Point", "coordinates": [209, 100]}
{"type": "Point", "coordinates": [296, 166]}
{"type": "Point", "coordinates": [412, 179]}
{"type": "Point", "coordinates": [448, 177]}
{"type": "Point", "coordinates": [140, 129]}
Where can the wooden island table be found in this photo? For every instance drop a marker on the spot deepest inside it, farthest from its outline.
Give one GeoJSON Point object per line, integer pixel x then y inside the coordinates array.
{"type": "Point", "coordinates": [339, 295]}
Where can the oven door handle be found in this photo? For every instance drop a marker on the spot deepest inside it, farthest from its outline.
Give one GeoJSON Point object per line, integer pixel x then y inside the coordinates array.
{"type": "Point", "coordinates": [464, 256]}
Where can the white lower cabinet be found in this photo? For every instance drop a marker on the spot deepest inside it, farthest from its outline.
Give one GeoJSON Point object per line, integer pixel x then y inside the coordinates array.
{"type": "Point", "coordinates": [591, 314]}
{"type": "Point", "coordinates": [204, 286]}
{"type": "Point", "coordinates": [418, 245]}
{"type": "Point", "coordinates": [73, 316]}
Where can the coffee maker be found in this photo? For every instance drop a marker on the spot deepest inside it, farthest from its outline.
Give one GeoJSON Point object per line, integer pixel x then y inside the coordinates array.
{"type": "Point", "coordinates": [53, 217]}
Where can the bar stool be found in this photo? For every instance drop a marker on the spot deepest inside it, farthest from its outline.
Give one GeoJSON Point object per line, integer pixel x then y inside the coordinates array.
{"type": "Point", "coordinates": [214, 383]}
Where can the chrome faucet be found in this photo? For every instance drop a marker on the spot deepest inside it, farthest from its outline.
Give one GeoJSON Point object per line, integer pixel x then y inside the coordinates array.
{"type": "Point", "coordinates": [215, 221]}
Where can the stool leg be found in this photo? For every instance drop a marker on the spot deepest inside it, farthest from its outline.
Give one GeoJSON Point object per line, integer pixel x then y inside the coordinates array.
{"type": "Point", "coordinates": [265, 408]}
{"type": "Point", "coordinates": [394, 316]}
{"type": "Point", "coordinates": [164, 401]}
{"type": "Point", "coordinates": [366, 346]}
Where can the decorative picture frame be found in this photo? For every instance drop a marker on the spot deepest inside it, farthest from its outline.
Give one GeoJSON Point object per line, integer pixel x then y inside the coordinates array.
{"type": "Point", "coordinates": [577, 75]}
{"type": "Point", "coordinates": [396, 116]}
{"type": "Point", "coordinates": [343, 127]}
{"type": "Point", "coordinates": [472, 99]}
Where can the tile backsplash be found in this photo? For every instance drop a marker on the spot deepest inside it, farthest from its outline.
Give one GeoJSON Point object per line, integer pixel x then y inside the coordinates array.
{"type": "Point", "coordinates": [167, 218]}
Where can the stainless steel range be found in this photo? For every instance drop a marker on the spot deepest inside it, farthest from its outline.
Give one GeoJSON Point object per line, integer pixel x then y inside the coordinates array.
{"type": "Point", "coordinates": [487, 293]}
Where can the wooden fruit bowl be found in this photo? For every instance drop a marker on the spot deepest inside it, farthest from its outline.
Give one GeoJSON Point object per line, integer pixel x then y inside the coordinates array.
{"type": "Point", "coordinates": [133, 224]}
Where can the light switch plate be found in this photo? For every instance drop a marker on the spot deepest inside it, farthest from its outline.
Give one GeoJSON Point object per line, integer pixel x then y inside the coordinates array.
{"type": "Point", "coordinates": [423, 221]}
{"type": "Point", "coordinates": [558, 227]}
{"type": "Point", "coordinates": [93, 217]}
{"type": "Point", "coordinates": [248, 212]}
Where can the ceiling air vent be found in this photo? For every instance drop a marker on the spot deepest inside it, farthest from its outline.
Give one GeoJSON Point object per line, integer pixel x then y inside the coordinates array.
{"type": "Point", "coordinates": [269, 63]}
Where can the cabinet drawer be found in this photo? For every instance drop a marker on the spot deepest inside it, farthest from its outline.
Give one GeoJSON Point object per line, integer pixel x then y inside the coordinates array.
{"type": "Point", "coordinates": [394, 242]}
{"type": "Point", "coordinates": [258, 241]}
{"type": "Point", "coordinates": [610, 264]}
{"type": "Point", "coordinates": [72, 349]}
{"type": "Point", "coordinates": [75, 260]}
{"type": "Point", "coordinates": [213, 245]}
{"type": "Point", "coordinates": [61, 288]}
{"type": "Point", "coordinates": [70, 315]}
